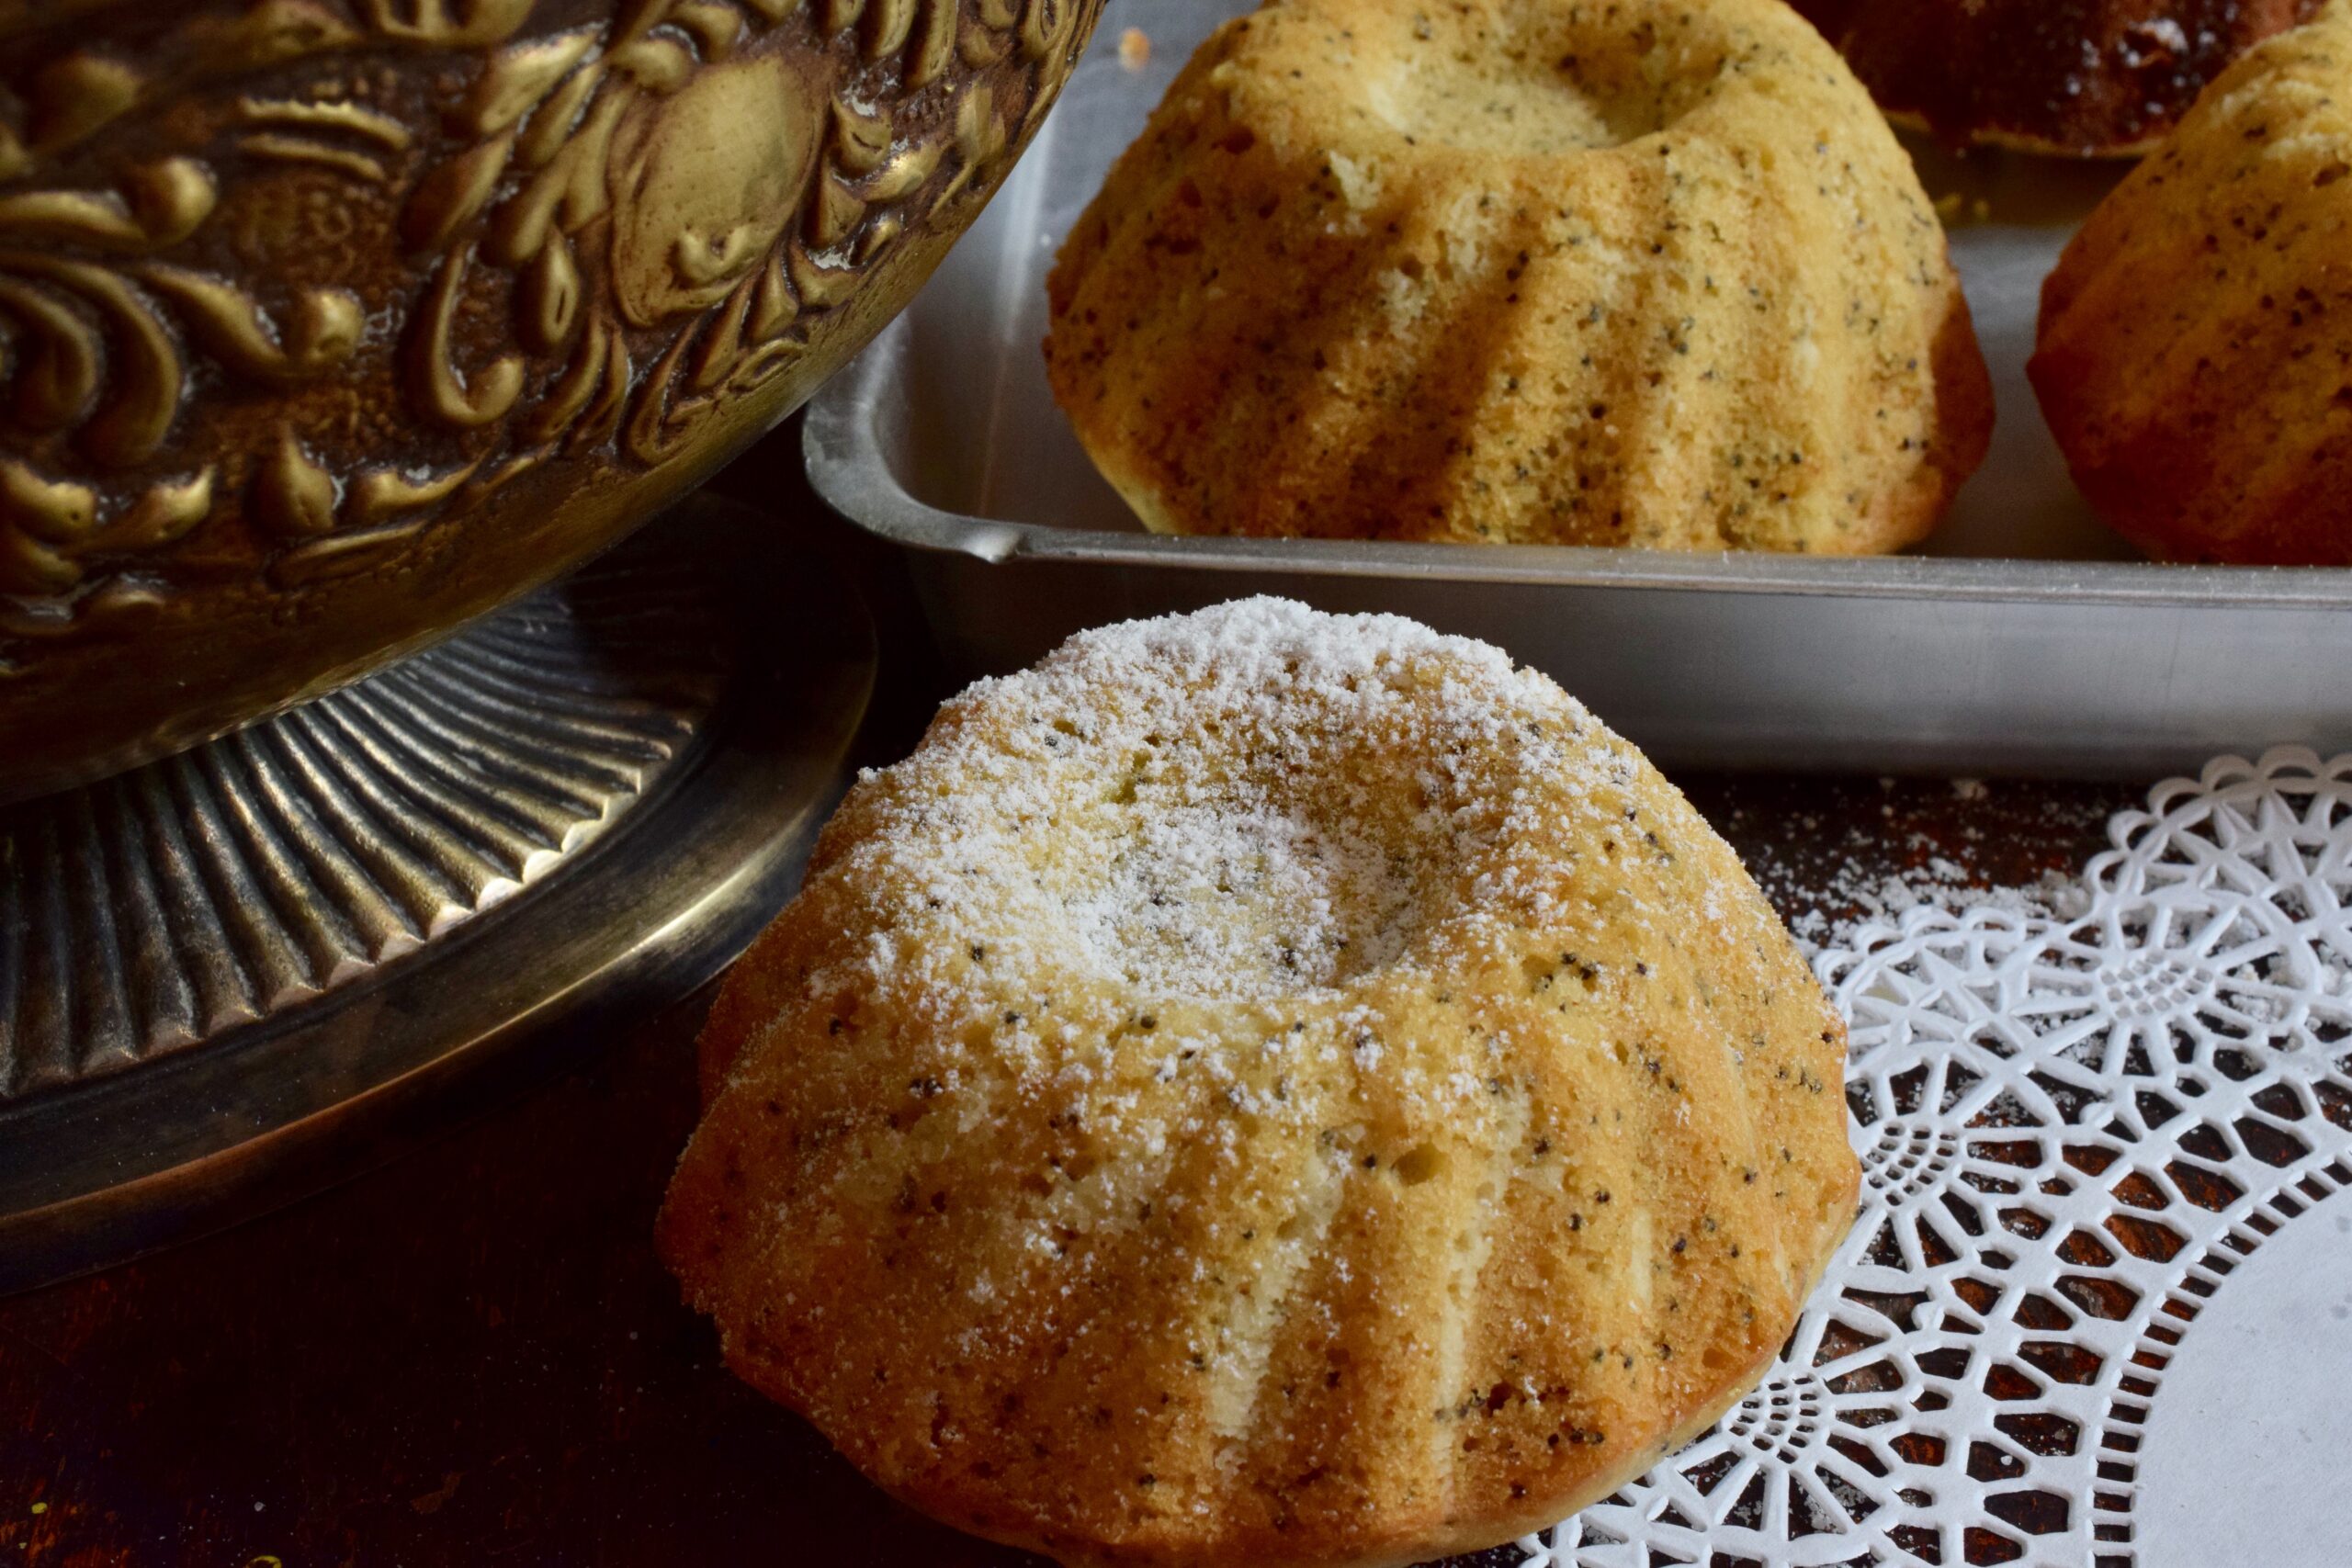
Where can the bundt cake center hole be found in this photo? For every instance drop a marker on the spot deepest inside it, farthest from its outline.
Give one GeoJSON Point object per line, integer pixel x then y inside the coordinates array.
{"type": "Point", "coordinates": [1538, 100]}
{"type": "Point", "coordinates": [1229, 900]}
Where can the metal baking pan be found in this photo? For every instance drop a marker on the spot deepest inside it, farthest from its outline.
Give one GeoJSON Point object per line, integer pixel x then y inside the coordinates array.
{"type": "Point", "coordinates": [2023, 639]}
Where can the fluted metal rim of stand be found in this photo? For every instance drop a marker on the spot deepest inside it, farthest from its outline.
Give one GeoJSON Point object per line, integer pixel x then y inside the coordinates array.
{"type": "Point", "coordinates": [232, 978]}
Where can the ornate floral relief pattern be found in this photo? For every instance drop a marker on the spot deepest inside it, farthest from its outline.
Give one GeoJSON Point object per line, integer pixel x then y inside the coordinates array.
{"type": "Point", "coordinates": [2072, 1129]}
{"type": "Point", "coordinates": [92, 355]}
{"type": "Point", "coordinates": [599, 237]}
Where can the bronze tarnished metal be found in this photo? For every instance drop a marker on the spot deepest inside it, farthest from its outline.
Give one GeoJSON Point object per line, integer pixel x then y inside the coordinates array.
{"type": "Point", "coordinates": [326, 325]}
{"type": "Point", "coordinates": [231, 976]}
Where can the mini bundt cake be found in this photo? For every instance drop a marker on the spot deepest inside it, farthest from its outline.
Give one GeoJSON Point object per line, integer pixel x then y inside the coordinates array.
{"type": "Point", "coordinates": [2088, 78]}
{"type": "Point", "coordinates": [1624, 272]}
{"type": "Point", "coordinates": [1265, 1087]}
{"type": "Point", "coordinates": [2195, 359]}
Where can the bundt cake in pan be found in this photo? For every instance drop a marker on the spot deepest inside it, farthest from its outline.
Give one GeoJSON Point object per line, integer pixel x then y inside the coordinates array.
{"type": "Point", "coordinates": [1623, 272]}
{"type": "Point", "coordinates": [1264, 1087]}
{"type": "Point", "coordinates": [2087, 77]}
{"type": "Point", "coordinates": [2195, 356]}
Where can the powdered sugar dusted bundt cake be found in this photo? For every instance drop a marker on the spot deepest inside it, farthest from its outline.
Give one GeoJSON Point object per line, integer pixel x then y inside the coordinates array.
{"type": "Point", "coordinates": [2073, 77]}
{"type": "Point", "coordinates": [1266, 1088]}
{"type": "Point", "coordinates": [1622, 272]}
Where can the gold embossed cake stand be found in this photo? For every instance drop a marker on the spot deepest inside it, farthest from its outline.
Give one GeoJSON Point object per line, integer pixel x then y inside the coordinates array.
{"type": "Point", "coordinates": [234, 976]}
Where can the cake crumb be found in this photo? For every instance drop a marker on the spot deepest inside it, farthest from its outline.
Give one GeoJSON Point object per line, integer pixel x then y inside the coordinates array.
{"type": "Point", "coordinates": [1135, 50]}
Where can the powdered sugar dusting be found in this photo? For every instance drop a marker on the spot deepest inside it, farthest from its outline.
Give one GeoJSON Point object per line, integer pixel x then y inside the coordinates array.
{"type": "Point", "coordinates": [1165, 913]}
{"type": "Point", "coordinates": [1227, 988]}
{"type": "Point", "coordinates": [1856, 899]}
{"type": "Point", "coordinates": [1838, 857]}
{"type": "Point", "coordinates": [1256, 799]}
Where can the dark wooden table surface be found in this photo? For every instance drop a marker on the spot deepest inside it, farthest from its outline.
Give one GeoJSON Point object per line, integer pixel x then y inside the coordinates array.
{"type": "Point", "coordinates": [472, 1357]}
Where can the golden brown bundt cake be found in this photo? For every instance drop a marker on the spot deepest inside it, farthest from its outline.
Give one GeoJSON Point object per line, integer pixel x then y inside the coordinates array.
{"type": "Point", "coordinates": [2086, 77]}
{"type": "Point", "coordinates": [1624, 272]}
{"type": "Point", "coordinates": [2195, 359]}
{"type": "Point", "coordinates": [1267, 1087]}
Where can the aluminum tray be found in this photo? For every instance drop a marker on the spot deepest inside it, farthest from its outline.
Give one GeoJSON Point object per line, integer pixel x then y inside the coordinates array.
{"type": "Point", "coordinates": [2024, 640]}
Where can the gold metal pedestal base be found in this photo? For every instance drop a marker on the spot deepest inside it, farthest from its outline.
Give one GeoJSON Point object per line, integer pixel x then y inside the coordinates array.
{"type": "Point", "coordinates": [236, 976]}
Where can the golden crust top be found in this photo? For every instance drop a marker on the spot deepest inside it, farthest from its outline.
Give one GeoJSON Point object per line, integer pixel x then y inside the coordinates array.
{"type": "Point", "coordinates": [1641, 272]}
{"type": "Point", "coordinates": [2194, 354]}
{"type": "Point", "coordinates": [1264, 1087]}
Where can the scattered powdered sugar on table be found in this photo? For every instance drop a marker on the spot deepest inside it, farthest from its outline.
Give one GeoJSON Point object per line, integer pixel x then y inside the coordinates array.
{"type": "Point", "coordinates": [1829, 913]}
{"type": "Point", "coordinates": [1834, 860]}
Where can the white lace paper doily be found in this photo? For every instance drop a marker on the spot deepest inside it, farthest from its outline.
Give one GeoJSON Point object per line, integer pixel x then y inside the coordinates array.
{"type": "Point", "coordinates": [2097, 1309]}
